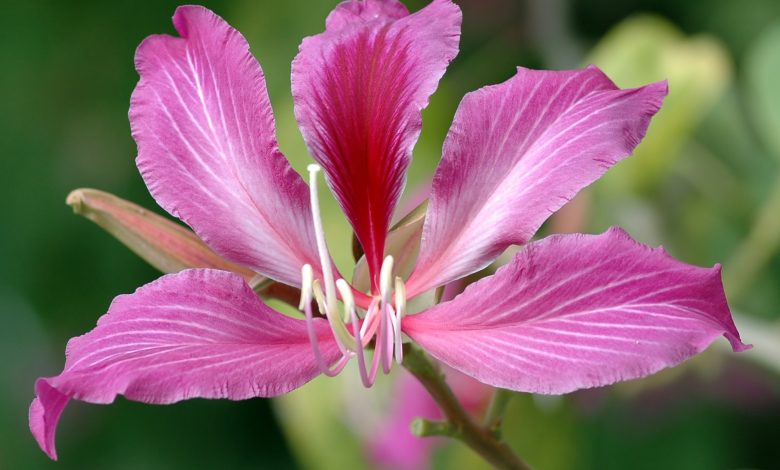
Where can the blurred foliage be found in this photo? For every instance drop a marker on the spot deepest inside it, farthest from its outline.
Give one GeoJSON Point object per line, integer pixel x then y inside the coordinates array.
{"type": "Point", "coordinates": [762, 69]}
{"type": "Point", "coordinates": [705, 183]}
{"type": "Point", "coordinates": [643, 49]}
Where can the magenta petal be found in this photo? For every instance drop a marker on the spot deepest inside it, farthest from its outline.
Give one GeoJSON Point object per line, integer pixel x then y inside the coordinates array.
{"type": "Point", "coordinates": [578, 311]}
{"type": "Point", "coordinates": [207, 147]}
{"type": "Point", "coordinates": [197, 333]}
{"type": "Point", "coordinates": [518, 151]}
{"type": "Point", "coordinates": [359, 88]}
{"type": "Point", "coordinates": [45, 412]}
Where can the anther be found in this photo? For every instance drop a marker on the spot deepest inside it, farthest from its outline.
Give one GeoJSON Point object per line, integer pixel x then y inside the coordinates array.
{"type": "Point", "coordinates": [346, 297]}
{"type": "Point", "coordinates": [307, 278]}
{"type": "Point", "coordinates": [385, 278]}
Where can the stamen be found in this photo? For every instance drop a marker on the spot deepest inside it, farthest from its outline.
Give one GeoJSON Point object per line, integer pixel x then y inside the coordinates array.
{"type": "Point", "coordinates": [387, 339]}
{"type": "Point", "coordinates": [368, 328]}
{"type": "Point", "coordinates": [349, 307]}
{"type": "Point", "coordinates": [385, 278]}
{"type": "Point", "coordinates": [306, 298]}
{"type": "Point", "coordinates": [322, 247]}
{"type": "Point", "coordinates": [380, 346]}
{"type": "Point", "coordinates": [319, 296]}
{"type": "Point", "coordinates": [400, 311]}
{"type": "Point", "coordinates": [343, 338]}
{"type": "Point", "coordinates": [307, 278]}
{"type": "Point", "coordinates": [386, 330]}
{"type": "Point", "coordinates": [382, 320]}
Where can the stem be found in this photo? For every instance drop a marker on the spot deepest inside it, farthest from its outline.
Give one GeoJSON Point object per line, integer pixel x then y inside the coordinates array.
{"type": "Point", "coordinates": [460, 424]}
{"type": "Point", "coordinates": [496, 409]}
{"type": "Point", "coordinates": [422, 427]}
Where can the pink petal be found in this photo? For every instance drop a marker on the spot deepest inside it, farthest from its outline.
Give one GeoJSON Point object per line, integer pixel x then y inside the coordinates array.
{"type": "Point", "coordinates": [359, 88]}
{"type": "Point", "coordinates": [207, 147]}
{"type": "Point", "coordinates": [198, 333]}
{"type": "Point", "coordinates": [578, 311]}
{"type": "Point", "coordinates": [516, 153]}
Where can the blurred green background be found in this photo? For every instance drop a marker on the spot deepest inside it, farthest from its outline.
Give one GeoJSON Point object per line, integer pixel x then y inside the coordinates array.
{"type": "Point", "coordinates": [705, 183]}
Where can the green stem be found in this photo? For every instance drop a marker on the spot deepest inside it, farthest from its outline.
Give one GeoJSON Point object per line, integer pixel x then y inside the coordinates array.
{"type": "Point", "coordinates": [496, 409]}
{"type": "Point", "coordinates": [422, 427]}
{"type": "Point", "coordinates": [459, 424]}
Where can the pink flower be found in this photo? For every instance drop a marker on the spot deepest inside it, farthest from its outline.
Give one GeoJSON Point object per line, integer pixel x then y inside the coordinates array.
{"type": "Point", "coordinates": [568, 312]}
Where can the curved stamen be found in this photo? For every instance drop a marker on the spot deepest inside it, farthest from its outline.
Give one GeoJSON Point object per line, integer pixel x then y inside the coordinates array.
{"type": "Point", "coordinates": [349, 306]}
{"type": "Point", "coordinates": [306, 298]}
{"type": "Point", "coordinates": [388, 338]}
{"type": "Point", "coordinates": [382, 321]}
{"type": "Point", "coordinates": [322, 247]}
{"type": "Point", "coordinates": [385, 337]}
{"type": "Point", "coordinates": [368, 328]}
{"type": "Point", "coordinates": [379, 345]}
{"type": "Point", "coordinates": [340, 333]}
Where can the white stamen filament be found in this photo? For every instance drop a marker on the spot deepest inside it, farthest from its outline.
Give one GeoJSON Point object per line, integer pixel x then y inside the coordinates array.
{"type": "Point", "coordinates": [386, 324]}
{"type": "Point", "coordinates": [343, 337]}
{"type": "Point", "coordinates": [370, 316]}
{"type": "Point", "coordinates": [306, 298]}
{"type": "Point", "coordinates": [322, 247]}
{"type": "Point", "coordinates": [382, 321]}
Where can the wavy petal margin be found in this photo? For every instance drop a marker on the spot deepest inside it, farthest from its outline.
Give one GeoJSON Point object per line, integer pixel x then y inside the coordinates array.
{"type": "Point", "coordinates": [578, 311]}
{"type": "Point", "coordinates": [517, 152]}
{"type": "Point", "coordinates": [198, 333]}
{"type": "Point", "coordinates": [207, 147]}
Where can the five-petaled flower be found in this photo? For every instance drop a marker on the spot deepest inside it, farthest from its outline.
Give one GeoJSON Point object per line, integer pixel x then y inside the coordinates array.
{"type": "Point", "coordinates": [567, 312]}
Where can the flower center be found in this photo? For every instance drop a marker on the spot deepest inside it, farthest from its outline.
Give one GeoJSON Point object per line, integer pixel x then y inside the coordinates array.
{"type": "Point", "coordinates": [381, 321]}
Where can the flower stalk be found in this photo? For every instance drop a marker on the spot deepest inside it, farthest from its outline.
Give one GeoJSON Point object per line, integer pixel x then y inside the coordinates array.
{"type": "Point", "coordinates": [459, 424]}
{"type": "Point", "coordinates": [494, 417]}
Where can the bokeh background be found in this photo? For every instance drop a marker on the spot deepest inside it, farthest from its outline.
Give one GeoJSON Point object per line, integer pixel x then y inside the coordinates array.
{"type": "Point", "coordinates": [705, 183]}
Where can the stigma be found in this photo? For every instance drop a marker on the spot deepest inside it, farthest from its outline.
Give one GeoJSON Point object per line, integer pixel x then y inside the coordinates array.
{"type": "Point", "coordinates": [353, 329]}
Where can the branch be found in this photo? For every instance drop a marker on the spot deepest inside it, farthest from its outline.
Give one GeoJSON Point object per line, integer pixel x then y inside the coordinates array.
{"type": "Point", "coordinates": [495, 413]}
{"type": "Point", "coordinates": [459, 424]}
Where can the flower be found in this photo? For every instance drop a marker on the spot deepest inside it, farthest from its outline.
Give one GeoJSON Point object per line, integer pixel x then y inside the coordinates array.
{"type": "Point", "coordinates": [567, 312]}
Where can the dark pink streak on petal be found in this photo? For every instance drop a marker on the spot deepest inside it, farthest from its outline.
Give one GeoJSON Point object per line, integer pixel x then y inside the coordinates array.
{"type": "Point", "coordinates": [207, 147]}
{"type": "Point", "coordinates": [518, 151]}
{"type": "Point", "coordinates": [359, 88]}
{"type": "Point", "coordinates": [578, 311]}
{"type": "Point", "coordinates": [197, 333]}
